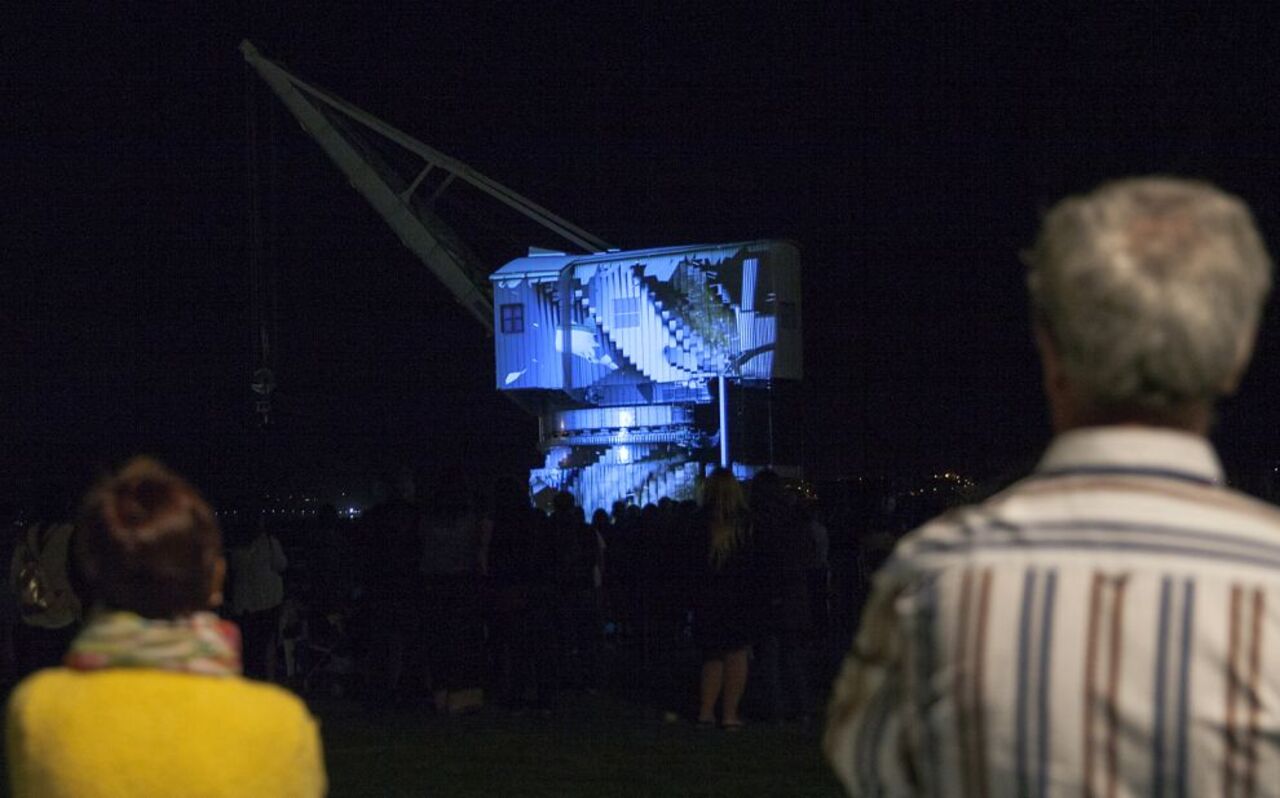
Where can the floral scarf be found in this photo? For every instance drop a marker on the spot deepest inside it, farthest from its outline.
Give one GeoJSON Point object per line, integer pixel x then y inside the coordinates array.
{"type": "Point", "coordinates": [199, 643]}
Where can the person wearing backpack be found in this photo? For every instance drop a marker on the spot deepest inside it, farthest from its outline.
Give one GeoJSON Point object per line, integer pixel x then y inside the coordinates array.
{"type": "Point", "coordinates": [49, 608]}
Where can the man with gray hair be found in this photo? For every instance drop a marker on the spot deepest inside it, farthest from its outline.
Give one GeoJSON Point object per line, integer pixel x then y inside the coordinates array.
{"type": "Point", "coordinates": [1109, 625]}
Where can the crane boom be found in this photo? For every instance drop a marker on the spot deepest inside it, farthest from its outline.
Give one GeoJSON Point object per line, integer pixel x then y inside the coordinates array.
{"type": "Point", "coordinates": [428, 237]}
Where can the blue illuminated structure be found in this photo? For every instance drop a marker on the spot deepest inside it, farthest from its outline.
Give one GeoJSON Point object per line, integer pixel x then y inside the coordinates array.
{"type": "Point", "coordinates": [618, 348]}
{"type": "Point", "coordinates": [615, 352]}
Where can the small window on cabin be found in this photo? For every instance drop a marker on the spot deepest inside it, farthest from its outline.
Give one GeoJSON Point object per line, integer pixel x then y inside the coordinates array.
{"type": "Point", "coordinates": [788, 319]}
{"type": "Point", "coordinates": [512, 318]}
{"type": "Point", "coordinates": [626, 312]}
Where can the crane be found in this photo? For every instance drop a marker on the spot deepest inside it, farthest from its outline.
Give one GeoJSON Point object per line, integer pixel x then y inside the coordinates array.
{"type": "Point", "coordinates": [613, 350]}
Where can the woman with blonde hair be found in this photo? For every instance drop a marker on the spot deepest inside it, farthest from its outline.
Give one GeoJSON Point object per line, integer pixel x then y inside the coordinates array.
{"type": "Point", "coordinates": [150, 700]}
{"type": "Point", "coordinates": [724, 620]}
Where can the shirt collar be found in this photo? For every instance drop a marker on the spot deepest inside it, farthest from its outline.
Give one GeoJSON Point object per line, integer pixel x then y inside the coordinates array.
{"type": "Point", "coordinates": [1147, 451]}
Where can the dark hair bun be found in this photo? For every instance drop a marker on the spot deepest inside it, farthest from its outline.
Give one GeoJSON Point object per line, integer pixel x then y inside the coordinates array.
{"type": "Point", "coordinates": [148, 542]}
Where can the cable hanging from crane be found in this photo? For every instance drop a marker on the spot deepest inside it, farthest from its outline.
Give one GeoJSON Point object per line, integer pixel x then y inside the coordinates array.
{"type": "Point", "coordinates": [262, 278]}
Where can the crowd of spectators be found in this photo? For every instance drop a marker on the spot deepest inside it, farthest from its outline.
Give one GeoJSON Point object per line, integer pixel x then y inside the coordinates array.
{"type": "Point", "coordinates": [446, 599]}
{"type": "Point", "coordinates": [443, 598]}
{"type": "Point", "coordinates": [434, 602]}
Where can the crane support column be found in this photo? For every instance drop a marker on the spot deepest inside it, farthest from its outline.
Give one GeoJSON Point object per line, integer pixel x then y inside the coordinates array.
{"type": "Point", "coordinates": [723, 399]}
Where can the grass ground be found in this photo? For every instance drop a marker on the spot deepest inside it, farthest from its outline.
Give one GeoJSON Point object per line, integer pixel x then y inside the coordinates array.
{"type": "Point", "coordinates": [614, 744]}
{"type": "Point", "coordinates": [593, 746]}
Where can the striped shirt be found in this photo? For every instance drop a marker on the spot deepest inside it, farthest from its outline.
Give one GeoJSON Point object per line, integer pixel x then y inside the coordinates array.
{"type": "Point", "coordinates": [1108, 626]}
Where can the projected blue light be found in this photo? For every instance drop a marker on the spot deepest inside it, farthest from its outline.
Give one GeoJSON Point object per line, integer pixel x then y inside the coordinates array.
{"type": "Point", "coordinates": [619, 347]}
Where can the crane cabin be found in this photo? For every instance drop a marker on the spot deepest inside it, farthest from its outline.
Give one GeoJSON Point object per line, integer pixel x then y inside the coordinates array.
{"type": "Point", "coordinates": [619, 348]}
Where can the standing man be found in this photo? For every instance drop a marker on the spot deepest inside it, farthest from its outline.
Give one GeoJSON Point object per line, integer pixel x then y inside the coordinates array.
{"type": "Point", "coordinates": [1109, 625]}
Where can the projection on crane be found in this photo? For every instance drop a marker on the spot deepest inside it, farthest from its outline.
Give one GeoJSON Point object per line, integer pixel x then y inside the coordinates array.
{"type": "Point", "coordinates": [624, 345]}
{"type": "Point", "coordinates": [619, 353]}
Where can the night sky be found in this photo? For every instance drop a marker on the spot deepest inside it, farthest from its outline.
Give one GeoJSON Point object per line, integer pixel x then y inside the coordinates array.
{"type": "Point", "coordinates": [908, 152]}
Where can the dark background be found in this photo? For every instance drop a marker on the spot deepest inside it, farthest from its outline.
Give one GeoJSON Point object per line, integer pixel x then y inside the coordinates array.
{"type": "Point", "coordinates": [908, 151]}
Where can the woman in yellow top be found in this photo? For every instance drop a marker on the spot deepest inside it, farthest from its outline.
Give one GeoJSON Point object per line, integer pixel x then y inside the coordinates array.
{"type": "Point", "coordinates": [150, 701]}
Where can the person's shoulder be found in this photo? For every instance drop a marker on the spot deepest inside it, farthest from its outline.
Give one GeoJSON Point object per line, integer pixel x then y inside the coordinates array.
{"type": "Point", "coordinates": [1157, 501]}
{"type": "Point", "coordinates": [127, 685]}
{"type": "Point", "coordinates": [267, 702]}
{"type": "Point", "coordinates": [935, 544]}
{"type": "Point", "coordinates": [43, 699]}
{"type": "Point", "coordinates": [114, 720]}
{"type": "Point", "coordinates": [1259, 511]}
{"type": "Point", "coordinates": [29, 691]}
{"type": "Point", "coordinates": [229, 708]}
{"type": "Point", "coordinates": [955, 523]}
{"type": "Point", "coordinates": [42, 683]}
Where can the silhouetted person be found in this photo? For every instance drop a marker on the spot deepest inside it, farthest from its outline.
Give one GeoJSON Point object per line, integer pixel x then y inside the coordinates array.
{"type": "Point", "coordinates": [818, 567]}
{"type": "Point", "coordinates": [11, 531]}
{"type": "Point", "coordinates": [394, 595]}
{"type": "Point", "coordinates": [521, 563]}
{"type": "Point", "coordinates": [41, 583]}
{"type": "Point", "coordinates": [622, 583]}
{"type": "Point", "coordinates": [332, 575]}
{"type": "Point", "coordinates": [783, 544]}
{"type": "Point", "coordinates": [257, 597]}
{"type": "Point", "coordinates": [603, 527]}
{"type": "Point", "coordinates": [453, 624]}
{"type": "Point", "coordinates": [577, 558]}
{"type": "Point", "coordinates": [725, 620]}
